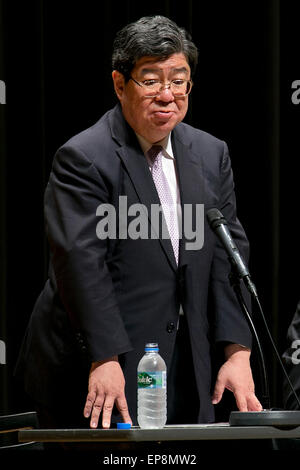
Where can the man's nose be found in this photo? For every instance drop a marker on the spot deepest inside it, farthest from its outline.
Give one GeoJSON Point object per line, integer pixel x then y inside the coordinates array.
{"type": "Point", "coordinates": [165, 95]}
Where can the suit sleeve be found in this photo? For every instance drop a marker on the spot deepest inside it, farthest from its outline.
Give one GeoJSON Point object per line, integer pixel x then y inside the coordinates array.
{"type": "Point", "coordinates": [84, 283]}
{"type": "Point", "coordinates": [230, 322]}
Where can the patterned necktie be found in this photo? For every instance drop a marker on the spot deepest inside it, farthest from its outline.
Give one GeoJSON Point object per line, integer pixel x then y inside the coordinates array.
{"type": "Point", "coordinates": [155, 155]}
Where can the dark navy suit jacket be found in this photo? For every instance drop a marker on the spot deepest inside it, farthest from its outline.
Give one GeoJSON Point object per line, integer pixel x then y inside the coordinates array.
{"type": "Point", "coordinates": [110, 297]}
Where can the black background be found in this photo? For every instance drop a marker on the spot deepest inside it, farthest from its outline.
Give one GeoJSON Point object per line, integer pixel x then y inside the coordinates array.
{"type": "Point", "coordinates": [55, 61]}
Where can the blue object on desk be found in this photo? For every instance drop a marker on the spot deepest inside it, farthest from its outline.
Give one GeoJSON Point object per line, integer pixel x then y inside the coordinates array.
{"type": "Point", "coordinates": [123, 425]}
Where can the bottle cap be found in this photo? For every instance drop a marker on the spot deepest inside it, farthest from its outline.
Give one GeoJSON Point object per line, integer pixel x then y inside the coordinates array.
{"type": "Point", "coordinates": [123, 425]}
{"type": "Point", "coordinates": [151, 347]}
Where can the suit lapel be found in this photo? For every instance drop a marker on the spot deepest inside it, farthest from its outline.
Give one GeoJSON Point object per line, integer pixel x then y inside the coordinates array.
{"type": "Point", "coordinates": [191, 185]}
{"type": "Point", "coordinates": [137, 168]}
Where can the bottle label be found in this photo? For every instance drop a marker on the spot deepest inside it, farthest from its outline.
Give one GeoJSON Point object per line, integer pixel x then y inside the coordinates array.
{"type": "Point", "coordinates": [156, 379]}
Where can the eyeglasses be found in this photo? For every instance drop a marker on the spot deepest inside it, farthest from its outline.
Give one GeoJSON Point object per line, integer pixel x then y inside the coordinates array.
{"type": "Point", "coordinates": [179, 87]}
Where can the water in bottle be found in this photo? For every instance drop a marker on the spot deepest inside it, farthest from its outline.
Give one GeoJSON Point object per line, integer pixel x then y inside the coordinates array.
{"type": "Point", "coordinates": [152, 389]}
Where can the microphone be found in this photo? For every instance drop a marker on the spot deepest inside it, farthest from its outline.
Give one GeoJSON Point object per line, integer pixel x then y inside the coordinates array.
{"type": "Point", "coordinates": [270, 417]}
{"type": "Point", "coordinates": [219, 225]}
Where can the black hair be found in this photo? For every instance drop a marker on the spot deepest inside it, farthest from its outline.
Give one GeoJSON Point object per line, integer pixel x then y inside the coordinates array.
{"type": "Point", "coordinates": [155, 36]}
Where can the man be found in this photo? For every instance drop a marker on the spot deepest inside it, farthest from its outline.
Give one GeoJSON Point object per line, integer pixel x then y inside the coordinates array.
{"type": "Point", "coordinates": [106, 297]}
{"type": "Point", "coordinates": [291, 358]}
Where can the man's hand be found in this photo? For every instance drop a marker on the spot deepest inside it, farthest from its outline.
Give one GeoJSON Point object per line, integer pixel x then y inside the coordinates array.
{"type": "Point", "coordinates": [106, 388]}
{"type": "Point", "coordinates": [235, 375]}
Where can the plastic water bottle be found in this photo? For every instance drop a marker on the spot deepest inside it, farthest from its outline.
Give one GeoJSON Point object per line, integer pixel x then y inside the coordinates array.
{"type": "Point", "coordinates": [152, 389]}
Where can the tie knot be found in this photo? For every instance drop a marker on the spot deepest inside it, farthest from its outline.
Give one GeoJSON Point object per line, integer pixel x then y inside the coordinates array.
{"type": "Point", "coordinates": [153, 153]}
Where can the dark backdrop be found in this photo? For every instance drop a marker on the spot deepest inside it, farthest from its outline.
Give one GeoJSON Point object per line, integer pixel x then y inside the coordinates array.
{"type": "Point", "coordinates": [55, 61]}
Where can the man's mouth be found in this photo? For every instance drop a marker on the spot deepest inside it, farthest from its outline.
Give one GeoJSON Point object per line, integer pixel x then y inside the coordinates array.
{"type": "Point", "coordinates": [163, 114]}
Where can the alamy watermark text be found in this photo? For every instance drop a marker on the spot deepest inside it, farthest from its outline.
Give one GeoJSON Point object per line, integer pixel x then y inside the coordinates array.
{"type": "Point", "coordinates": [296, 93]}
{"type": "Point", "coordinates": [2, 92]}
{"type": "Point", "coordinates": [132, 221]}
{"type": "Point", "coordinates": [2, 352]}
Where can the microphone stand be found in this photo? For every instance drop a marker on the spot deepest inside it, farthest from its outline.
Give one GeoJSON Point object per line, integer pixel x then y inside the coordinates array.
{"type": "Point", "coordinates": [267, 417]}
{"type": "Point", "coordinates": [265, 398]}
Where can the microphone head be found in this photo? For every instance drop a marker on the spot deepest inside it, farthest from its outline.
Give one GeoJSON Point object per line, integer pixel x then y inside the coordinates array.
{"type": "Point", "coordinates": [215, 218]}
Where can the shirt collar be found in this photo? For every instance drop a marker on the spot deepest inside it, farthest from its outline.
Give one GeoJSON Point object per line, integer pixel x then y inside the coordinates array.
{"type": "Point", "coordinates": [165, 143]}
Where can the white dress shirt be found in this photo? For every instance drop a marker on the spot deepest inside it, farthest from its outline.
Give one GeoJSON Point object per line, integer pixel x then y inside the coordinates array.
{"type": "Point", "coordinates": [169, 169]}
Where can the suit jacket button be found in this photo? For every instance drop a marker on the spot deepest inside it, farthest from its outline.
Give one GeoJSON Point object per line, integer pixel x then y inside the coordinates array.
{"type": "Point", "coordinates": [170, 327]}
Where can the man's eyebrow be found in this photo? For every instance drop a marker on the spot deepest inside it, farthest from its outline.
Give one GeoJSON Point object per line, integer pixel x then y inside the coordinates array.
{"type": "Point", "coordinates": [180, 69]}
{"type": "Point", "coordinates": [146, 70]}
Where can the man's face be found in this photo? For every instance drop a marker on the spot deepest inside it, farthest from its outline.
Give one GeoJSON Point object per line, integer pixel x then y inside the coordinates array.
{"type": "Point", "coordinates": [153, 118]}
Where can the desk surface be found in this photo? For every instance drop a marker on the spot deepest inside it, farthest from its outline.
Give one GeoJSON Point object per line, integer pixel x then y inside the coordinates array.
{"type": "Point", "coordinates": [218, 431]}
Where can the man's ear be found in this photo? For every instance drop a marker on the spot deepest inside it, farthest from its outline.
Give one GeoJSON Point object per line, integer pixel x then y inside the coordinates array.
{"type": "Point", "coordinates": [119, 83]}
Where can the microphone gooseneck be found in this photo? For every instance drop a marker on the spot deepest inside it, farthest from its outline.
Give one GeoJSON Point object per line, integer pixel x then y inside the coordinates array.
{"type": "Point", "coordinates": [218, 224]}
